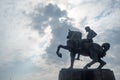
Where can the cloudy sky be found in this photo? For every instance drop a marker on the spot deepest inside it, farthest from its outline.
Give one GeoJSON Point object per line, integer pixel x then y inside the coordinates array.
{"type": "Point", "coordinates": [31, 30]}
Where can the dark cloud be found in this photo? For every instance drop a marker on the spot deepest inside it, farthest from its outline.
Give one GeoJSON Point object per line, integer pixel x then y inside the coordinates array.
{"type": "Point", "coordinates": [53, 11]}
{"type": "Point", "coordinates": [46, 15]}
{"type": "Point", "coordinates": [50, 15]}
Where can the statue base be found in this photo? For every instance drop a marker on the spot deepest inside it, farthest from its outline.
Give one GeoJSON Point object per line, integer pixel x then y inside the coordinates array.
{"type": "Point", "coordinates": [89, 74]}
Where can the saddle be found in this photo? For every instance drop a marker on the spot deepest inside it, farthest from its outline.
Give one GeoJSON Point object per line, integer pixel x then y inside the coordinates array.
{"type": "Point", "coordinates": [86, 43]}
{"type": "Point", "coordinates": [77, 45]}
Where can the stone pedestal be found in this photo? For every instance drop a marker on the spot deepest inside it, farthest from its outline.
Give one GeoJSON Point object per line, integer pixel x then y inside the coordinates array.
{"type": "Point", "coordinates": [90, 74]}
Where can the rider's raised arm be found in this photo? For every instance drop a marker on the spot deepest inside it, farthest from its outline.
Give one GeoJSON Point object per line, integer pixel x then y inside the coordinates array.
{"type": "Point", "coordinates": [94, 34]}
{"type": "Point", "coordinates": [91, 34]}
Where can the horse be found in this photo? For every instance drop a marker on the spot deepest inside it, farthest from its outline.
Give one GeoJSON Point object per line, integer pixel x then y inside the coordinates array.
{"type": "Point", "coordinates": [77, 45]}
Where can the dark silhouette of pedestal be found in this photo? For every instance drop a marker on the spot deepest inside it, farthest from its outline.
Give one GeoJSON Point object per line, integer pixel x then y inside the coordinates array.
{"type": "Point", "coordinates": [89, 74]}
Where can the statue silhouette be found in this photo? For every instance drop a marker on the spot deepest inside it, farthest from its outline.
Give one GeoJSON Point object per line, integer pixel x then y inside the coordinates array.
{"type": "Point", "coordinates": [85, 47]}
{"type": "Point", "coordinates": [91, 34]}
{"type": "Point", "coordinates": [88, 42]}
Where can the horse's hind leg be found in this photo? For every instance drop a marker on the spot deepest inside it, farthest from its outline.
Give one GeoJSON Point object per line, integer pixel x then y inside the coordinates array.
{"type": "Point", "coordinates": [89, 64]}
{"type": "Point", "coordinates": [102, 63]}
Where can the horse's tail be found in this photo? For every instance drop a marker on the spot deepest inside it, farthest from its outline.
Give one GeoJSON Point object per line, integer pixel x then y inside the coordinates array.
{"type": "Point", "coordinates": [106, 47]}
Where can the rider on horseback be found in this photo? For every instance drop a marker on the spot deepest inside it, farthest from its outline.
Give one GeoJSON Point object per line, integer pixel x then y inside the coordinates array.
{"type": "Point", "coordinates": [91, 34]}
{"type": "Point", "coordinates": [87, 43]}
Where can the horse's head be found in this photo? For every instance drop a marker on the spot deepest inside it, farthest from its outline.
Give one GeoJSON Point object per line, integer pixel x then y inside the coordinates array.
{"type": "Point", "coordinates": [70, 33]}
{"type": "Point", "coordinates": [73, 35]}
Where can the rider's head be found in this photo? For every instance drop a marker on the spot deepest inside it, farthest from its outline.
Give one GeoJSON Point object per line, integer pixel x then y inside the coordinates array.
{"type": "Point", "coordinates": [87, 28]}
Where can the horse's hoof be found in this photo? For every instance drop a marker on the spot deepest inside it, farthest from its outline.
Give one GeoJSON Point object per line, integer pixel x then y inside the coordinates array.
{"type": "Point", "coordinates": [77, 59]}
{"type": "Point", "coordinates": [99, 68]}
{"type": "Point", "coordinates": [70, 68]}
{"type": "Point", "coordinates": [85, 68]}
{"type": "Point", "coordinates": [60, 55]}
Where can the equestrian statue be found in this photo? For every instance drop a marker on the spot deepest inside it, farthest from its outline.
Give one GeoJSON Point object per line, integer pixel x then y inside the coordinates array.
{"type": "Point", "coordinates": [86, 47]}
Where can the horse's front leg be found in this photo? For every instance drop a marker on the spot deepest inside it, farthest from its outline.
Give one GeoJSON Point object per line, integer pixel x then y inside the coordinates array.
{"type": "Point", "coordinates": [58, 49]}
{"type": "Point", "coordinates": [72, 55]}
{"type": "Point", "coordinates": [78, 56]}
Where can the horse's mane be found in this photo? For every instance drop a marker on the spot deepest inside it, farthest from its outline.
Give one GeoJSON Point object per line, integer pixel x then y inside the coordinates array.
{"type": "Point", "coordinates": [76, 35]}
